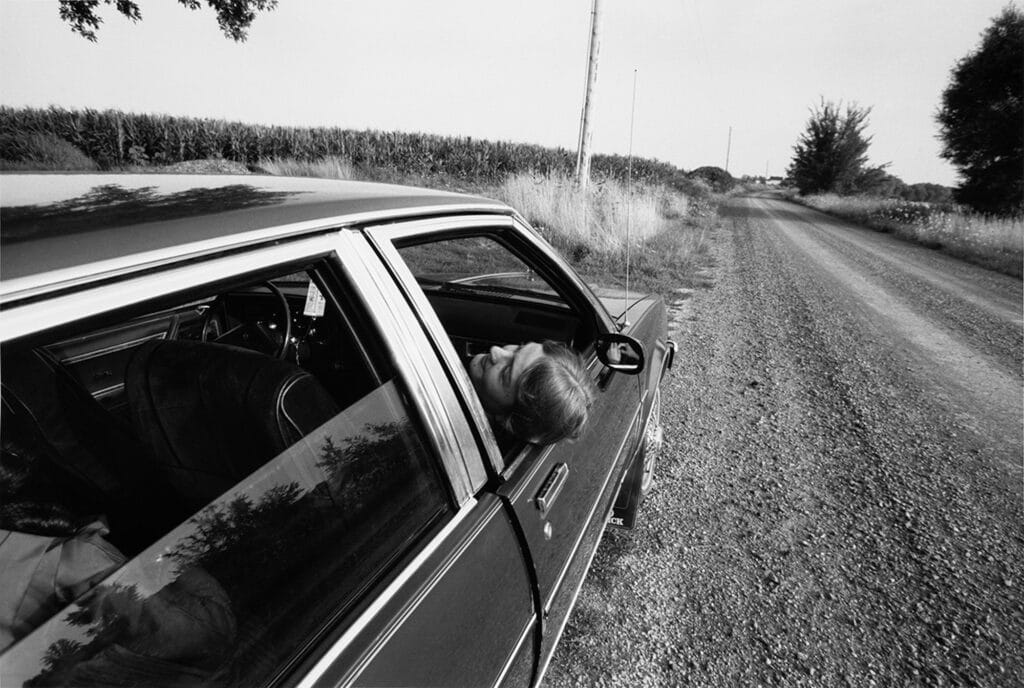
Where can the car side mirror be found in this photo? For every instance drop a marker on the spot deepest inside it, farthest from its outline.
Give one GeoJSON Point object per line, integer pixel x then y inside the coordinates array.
{"type": "Point", "coordinates": [620, 352]}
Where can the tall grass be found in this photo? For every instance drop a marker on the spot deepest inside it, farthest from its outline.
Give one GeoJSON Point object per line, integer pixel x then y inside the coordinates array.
{"type": "Point", "coordinates": [665, 233]}
{"type": "Point", "coordinates": [330, 167]}
{"type": "Point", "coordinates": [995, 242]}
{"type": "Point", "coordinates": [669, 232]}
{"type": "Point", "coordinates": [599, 216]}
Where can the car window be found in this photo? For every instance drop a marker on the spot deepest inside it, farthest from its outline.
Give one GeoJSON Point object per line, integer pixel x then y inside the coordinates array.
{"type": "Point", "coordinates": [196, 493]}
{"type": "Point", "coordinates": [474, 262]}
{"type": "Point", "coordinates": [485, 294]}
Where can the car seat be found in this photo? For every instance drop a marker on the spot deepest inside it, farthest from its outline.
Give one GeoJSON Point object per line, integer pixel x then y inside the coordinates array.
{"type": "Point", "coordinates": [210, 414]}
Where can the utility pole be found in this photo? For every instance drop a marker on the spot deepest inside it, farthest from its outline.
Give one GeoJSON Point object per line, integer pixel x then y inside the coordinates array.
{"type": "Point", "coordinates": [583, 149]}
{"type": "Point", "coordinates": [728, 149]}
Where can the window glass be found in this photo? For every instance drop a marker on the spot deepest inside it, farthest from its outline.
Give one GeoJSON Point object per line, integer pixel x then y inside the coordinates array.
{"type": "Point", "coordinates": [474, 262]}
{"type": "Point", "coordinates": [212, 505]}
{"type": "Point", "coordinates": [485, 295]}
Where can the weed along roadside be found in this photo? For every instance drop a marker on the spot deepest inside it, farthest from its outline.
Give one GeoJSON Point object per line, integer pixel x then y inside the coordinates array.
{"type": "Point", "coordinates": [991, 241]}
{"type": "Point", "coordinates": [662, 220]}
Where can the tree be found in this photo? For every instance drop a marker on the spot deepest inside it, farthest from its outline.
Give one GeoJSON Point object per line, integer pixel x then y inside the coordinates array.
{"type": "Point", "coordinates": [233, 16]}
{"type": "Point", "coordinates": [831, 155]}
{"type": "Point", "coordinates": [980, 119]}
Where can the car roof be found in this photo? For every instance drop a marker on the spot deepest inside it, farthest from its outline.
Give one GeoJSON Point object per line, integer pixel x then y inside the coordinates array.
{"type": "Point", "coordinates": [53, 224]}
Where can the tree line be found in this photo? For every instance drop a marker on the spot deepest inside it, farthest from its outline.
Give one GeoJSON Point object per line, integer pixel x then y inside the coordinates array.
{"type": "Point", "coordinates": [981, 126]}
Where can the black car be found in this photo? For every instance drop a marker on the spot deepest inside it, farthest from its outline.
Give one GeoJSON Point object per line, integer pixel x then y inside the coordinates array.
{"type": "Point", "coordinates": [241, 447]}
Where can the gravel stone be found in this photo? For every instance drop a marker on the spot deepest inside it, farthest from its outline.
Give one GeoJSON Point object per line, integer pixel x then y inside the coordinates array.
{"type": "Point", "coordinates": [839, 501]}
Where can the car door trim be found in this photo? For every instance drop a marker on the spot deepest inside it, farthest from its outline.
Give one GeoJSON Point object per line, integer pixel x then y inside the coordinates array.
{"type": "Point", "coordinates": [493, 508]}
{"type": "Point", "coordinates": [389, 593]}
{"type": "Point", "coordinates": [557, 584]}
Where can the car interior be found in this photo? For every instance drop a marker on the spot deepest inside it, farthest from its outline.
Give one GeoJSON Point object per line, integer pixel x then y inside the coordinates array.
{"type": "Point", "coordinates": [176, 424]}
{"type": "Point", "coordinates": [144, 417]}
{"type": "Point", "coordinates": [190, 397]}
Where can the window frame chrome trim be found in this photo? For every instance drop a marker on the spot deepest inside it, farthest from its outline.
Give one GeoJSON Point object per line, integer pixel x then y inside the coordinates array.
{"type": "Point", "coordinates": [32, 286]}
{"type": "Point", "coordinates": [27, 318]}
{"type": "Point", "coordinates": [419, 367]}
{"type": "Point", "coordinates": [383, 237]}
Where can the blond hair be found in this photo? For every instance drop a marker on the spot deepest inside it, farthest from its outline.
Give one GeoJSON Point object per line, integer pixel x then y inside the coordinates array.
{"type": "Point", "coordinates": [552, 399]}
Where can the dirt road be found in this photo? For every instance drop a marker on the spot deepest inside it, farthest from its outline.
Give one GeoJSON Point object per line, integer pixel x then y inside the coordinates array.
{"type": "Point", "coordinates": [840, 499]}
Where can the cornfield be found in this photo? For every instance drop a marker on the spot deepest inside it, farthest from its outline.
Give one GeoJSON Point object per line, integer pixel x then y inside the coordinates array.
{"type": "Point", "coordinates": [113, 139]}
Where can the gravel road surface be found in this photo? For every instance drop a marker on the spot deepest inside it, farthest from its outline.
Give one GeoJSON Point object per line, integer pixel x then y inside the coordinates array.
{"type": "Point", "coordinates": [840, 497]}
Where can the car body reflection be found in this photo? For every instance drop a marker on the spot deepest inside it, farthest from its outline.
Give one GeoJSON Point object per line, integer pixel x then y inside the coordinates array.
{"type": "Point", "coordinates": [263, 557]}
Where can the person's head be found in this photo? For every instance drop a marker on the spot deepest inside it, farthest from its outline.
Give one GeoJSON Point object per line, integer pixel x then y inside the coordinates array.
{"type": "Point", "coordinates": [539, 392]}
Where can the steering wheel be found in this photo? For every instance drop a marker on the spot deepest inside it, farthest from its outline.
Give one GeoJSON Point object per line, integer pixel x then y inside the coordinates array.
{"type": "Point", "coordinates": [286, 340]}
{"type": "Point", "coordinates": [245, 331]}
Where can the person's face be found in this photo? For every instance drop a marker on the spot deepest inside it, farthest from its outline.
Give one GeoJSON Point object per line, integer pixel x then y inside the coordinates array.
{"type": "Point", "coordinates": [496, 374]}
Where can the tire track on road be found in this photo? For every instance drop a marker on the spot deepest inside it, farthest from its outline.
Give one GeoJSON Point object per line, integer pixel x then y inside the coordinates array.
{"type": "Point", "coordinates": [820, 516]}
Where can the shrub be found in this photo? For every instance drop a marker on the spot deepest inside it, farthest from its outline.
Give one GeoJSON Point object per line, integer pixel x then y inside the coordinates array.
{"type": "Point", "coordinates": [718, 179]}
{"type": "Point", "coordinates": [927, 193]}
{"type": "Point", "coordinates": [28, 151]}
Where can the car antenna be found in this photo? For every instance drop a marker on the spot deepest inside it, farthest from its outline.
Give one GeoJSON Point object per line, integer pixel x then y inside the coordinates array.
{"type": "Point", "coordinates": [629, 204]}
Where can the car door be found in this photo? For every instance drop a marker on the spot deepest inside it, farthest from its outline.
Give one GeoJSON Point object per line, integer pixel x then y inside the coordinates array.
{"type": "Point", "coordinates": [365, 553]}
{"type": "Point", "coordinates": [560, 495]}
{"type": "Point", "coordinates": [463, 612]}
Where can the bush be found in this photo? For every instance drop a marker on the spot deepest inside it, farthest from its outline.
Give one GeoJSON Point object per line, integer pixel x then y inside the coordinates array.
{"type": "Point", "coordinates": [29, 151]}
{"type": "Point", "coordinates": [927, 193]}
{"type": "Point", "coordinates": [718, 179]}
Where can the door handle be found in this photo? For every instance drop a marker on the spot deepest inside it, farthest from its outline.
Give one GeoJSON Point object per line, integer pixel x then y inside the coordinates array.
{"type": "Point", "coordinates": [551, 488]}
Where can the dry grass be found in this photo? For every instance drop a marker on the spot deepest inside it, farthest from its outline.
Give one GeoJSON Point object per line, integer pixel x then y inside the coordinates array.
{"type": "Point", "coordinates": [995, 242]}
{"type": "Point", "coordinates": [331, 167]}
{"type": "Point", "coordinates": [667, 233]}
{"type": "Point", "coordinates": [602, 217]}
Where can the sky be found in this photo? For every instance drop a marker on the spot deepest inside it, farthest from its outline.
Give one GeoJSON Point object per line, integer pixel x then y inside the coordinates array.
{"type": "Point", "coordinates": [516, 71]}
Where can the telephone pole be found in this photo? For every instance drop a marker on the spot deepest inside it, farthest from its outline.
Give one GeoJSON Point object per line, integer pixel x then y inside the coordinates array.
{"type": "Point", "coordinates": [728, 149]}
{"type": "Point", "coordinates": [583, 149]}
